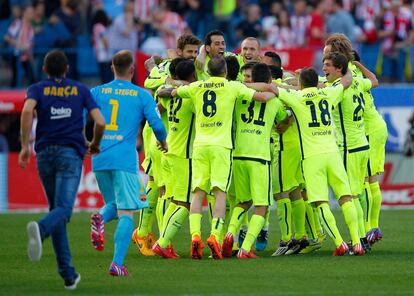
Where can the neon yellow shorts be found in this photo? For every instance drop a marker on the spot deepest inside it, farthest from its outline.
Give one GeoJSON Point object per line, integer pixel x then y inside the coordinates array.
{"type": "Point", "coordinates": [252, 180]}
{"type": "Point", "coordinates": [287, 171]}
{"type": "Point", "coordinates": [321, 170]}
{"type": "Point", "coordinates": [212, 168]}
{"type": "Point", "coordinates": [377, 140]}
{"type": "Point", "coordinates": [355, 164]}
{"type": "Point", "coordinates": [182, 170]}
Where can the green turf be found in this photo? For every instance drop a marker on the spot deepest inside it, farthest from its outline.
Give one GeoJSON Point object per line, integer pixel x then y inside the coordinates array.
{"type": "Point", "coordinates": [388, 270]}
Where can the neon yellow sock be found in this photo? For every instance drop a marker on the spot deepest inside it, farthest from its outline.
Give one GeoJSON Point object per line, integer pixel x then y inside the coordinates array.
{"type": "Point", "coordinates": [310, 222]}
{"type": "Point", "coordinates": [284, 214]}
{"type": "Point", "coordinates": [329, 223]}
{"type": "Point", "coordinates": [350, 214]}
{"type": "Point", "coordinates": [211, 201]}
{"type": "Point", "coordinates": [170, 210]}
{"type": "Point", "coordinates": [366, 203]}
{"type": "Point", "coordinates": [162, 207]}
{"type": "Point", "coordinates": [360, 217]}
{"type": "Point", "coordinates": [172, 225]}
{"type": "Point", "coordinates": [376, 204]}
{"type": "Point", "coordinates": [245, 222]}
{"type": "Point", "coordinates": [216, 227]}
{"type": "Point", "coordinates": [230, 204]}
{"type": "Point", "coordinates": [195, 224]}
{"type": "Point", "coordinates": [267, 219]}
{"type": "Point", "coordinates": [298, 213]}
{"type": "Point", "coordinates": [256, 224]}
{"type": "Point", "coordinates": [317, 220]}
{"type": "Point", "coordinates": [236, 220]}
{"type": "Point", "coordinates": [147, 215]}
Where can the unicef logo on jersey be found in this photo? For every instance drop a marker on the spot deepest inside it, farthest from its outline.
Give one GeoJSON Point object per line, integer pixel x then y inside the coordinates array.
{"type": "Point", "coordinates": [59, 113]}
{"type": "Point", "coordinates": [219, 123]}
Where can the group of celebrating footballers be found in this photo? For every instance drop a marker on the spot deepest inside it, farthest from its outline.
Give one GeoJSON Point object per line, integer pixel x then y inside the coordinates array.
{"type": "Point", "coordinates": [241, 131]}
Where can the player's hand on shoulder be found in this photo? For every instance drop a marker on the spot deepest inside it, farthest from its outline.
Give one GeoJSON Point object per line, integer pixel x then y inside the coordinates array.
{"type": "Point", "coordinates": [162, 146]}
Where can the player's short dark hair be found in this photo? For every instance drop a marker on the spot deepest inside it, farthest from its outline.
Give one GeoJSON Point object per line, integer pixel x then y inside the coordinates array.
{"type": "Point", "coordinates": [248, 66]}
{"type": "Point", "coordinates": [277, 61]}
{"type": "Point", "coordinates": [122, 61]}
{"type": "Point", "coordinates": [173, 66]}
{"type": "Point", "coordinates": [207, 39]}
{"type": "Point", "coordinates": [338, 61]}
{"type": "Point", "coordinates": [185, 39]}
{"type": "Point", "coordinates": [261, 73]}
{"type": "Point", "coordinates": [309, 77]}
{"type": "Point", "coordinates": [55, 63]}
{"type": "Point", "coordinates": [277, 72]}
{"type": "Point", "coordinates": [185, 69]}
{"type": "Point", "coordinates": [233, 67]}
{"type": "Point", "coordinates": [356, 56]}
{"type": "Point", "coordinates": [217, 66]}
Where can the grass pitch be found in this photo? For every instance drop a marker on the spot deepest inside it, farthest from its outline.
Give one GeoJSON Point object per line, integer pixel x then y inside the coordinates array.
{"type": "Point", "coordinates": [388, 270]}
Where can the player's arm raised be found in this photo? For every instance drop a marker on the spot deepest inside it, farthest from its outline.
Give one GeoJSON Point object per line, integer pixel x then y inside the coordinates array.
{"type": "Point", "coordinates": [367, 73]}
{"type": "Point", "coordinates": [201, 58]}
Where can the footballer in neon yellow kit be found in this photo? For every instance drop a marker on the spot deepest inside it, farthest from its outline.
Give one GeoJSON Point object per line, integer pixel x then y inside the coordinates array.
{"type": "Point", "coordinates": [350, 133]}
{"type": "Point", "coordinates": [187, 47]}
{"type": "Point", "coordinates": [320, 155]}
{"type": "Point", "coordinates": [178, 158]}
{"type": "Point", "coordinates": [252, 172]}
{"type": "Point", "coordinates": [214, 46]}
{"type": "Point", "coordinates": [376, 131]}
{"type": "Point", "coordinates": [213, 101]}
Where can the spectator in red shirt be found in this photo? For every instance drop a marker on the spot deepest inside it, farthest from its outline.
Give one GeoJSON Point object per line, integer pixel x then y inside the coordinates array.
{"type": "Point", "coordinates": [316, 31]}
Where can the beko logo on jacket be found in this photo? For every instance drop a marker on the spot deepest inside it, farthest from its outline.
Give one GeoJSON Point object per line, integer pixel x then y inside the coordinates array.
{"type": "Point", "coordinates": [59, 113]}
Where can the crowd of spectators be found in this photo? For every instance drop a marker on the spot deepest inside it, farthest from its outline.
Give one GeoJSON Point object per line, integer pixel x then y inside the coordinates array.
{"type": "Point", "coordinates": [154, 26]}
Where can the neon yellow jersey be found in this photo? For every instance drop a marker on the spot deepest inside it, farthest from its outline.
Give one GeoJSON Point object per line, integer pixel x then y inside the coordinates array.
{"type": "Point", "coordinates": [203, 74]}
{"type": "Point", "coordinates": [312, 110]}
{"type": "Point", "coordinates": [158, 75]}
{"type": "Point", "coordinates": [240, 76]}
{"type": "Point", "coordinates": [290, 138]}
{"type": "Point", "coordinates": [349, 115]}
{"type": "Point", "coordinates": [354, 70]}
{"type": "Point", "coordinates": [214, 101]}
{"type": "Point", "coordinates": [254, 122]}
{"type": "Point", "coordinates": [181, 129]}
{"type": "Point", "coordinates": [372, 119]}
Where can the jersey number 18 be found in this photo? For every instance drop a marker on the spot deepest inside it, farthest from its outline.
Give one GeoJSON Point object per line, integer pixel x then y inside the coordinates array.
{"type": "Point", "coordinates": [325, 115]}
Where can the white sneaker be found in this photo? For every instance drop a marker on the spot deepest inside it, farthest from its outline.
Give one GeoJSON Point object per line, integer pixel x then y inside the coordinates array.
{"type": "Point", "coordinates": [71, 284]}
{"type": "Point", "coordinates": [34, 246]}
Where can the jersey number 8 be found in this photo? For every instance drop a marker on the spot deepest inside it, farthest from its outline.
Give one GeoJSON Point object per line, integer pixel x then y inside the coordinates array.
{"type": "Point", "coordinates": [209, 103]}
